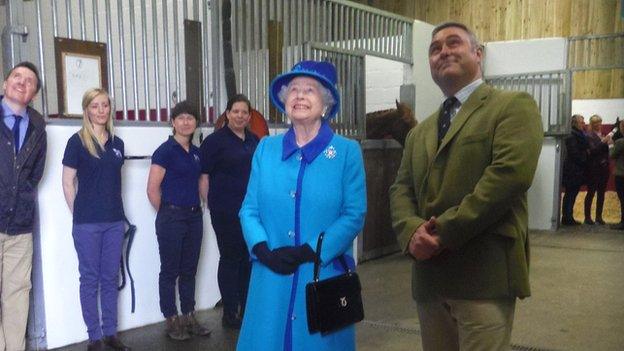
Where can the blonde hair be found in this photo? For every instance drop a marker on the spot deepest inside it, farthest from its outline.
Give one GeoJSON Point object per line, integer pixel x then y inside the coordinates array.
{"type": "Point", "coordinates": [86, 133]}
{"type": "Point", "coordinates": [595, 118]}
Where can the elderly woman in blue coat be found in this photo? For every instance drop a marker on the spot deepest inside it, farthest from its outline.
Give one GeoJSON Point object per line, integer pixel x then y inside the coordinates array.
{"type": "Point", "coordinates": [304, 182]}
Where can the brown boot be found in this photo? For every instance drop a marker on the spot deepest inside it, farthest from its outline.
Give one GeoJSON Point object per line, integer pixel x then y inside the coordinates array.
{"type": "Point", "coordinates": [193, 327]}
{"type": "Point", "coordinates": [176, 329]}
{"type": "Point", "coordinates": [114, 343]}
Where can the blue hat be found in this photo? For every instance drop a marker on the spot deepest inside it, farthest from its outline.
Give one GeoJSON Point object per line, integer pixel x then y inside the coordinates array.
{"type": "Point", "coordinates": [324, 72]}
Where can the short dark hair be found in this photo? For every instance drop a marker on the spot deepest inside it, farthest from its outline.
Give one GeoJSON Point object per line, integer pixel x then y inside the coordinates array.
{"type": "Point", "coordinates": [238, 98]}
{"type": "Point", "coordinates": [473, 37]}
{"type": "Point", "coordinates": [30, 66]}
{"type": "Point", "coordinates": [184, 107]}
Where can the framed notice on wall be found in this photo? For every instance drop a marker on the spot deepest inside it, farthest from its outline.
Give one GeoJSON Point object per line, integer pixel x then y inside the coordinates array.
{"type": "Point", "coordinates": [80, 65]}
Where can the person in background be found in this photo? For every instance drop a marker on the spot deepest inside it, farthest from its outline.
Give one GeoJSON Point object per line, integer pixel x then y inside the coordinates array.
{"type": "Point", "coordinates": [22, 159]}
{"type": "Point", "coordinates": [304, 182]}
{"type": "Point", "coordinates": [617, 153]}
{"type": "Point", "coordinates": [92, 187]}
{"type": "Point", "coordinates": [597, 168]}
{"type": "Point", "coordinates": [173, 191]}
{"type": "Point", "coordinates": [459, 201]}
{"type": "Point", "coordinates": [574, 167]}
{"type": "Point", "coordinates": [226, 164]}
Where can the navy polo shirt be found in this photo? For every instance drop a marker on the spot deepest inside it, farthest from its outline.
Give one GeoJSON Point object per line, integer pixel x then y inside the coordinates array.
{"type": "Point", "coordinates": [180, 186]}
{"type": "Point", "coordinates": [226, 158]}
{"type": "Point", "coordinates": [99, 181]}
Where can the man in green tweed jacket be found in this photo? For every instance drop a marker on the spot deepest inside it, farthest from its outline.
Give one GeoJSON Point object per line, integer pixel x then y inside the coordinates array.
{"type": "Point", "coordinates": [459, 204]}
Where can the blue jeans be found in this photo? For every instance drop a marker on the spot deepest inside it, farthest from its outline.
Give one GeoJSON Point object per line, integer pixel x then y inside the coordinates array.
{"type": "Point", "coordinates": [179, 233]}
{"type": "Point", "coordinates": [99, 246]}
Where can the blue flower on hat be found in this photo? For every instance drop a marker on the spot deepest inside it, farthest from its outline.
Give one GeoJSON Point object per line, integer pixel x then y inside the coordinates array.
{"type": "Point", "coordinates": [324, 72]}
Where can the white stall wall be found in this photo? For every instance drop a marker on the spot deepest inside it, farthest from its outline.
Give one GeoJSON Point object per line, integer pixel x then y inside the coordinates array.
{"type": "Point", "coordinates": [608, 109]}
{"type": "Point", "coordinates": [527, 56]}
{"type": "Point", "coordinates": [383, 83]}
{"type": "Point", "coordinates": [64, 324]}
{"type": "Point", "coordinates": [428, 94]}
{"type": "Point", "coordinates": [540, 195]}
{"type": "Point", "coordinates": [524, 56]}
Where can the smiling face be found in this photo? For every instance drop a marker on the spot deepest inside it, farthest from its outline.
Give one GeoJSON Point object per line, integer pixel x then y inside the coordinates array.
{"type": "Point", "coordinates": [184, 124]}
{"type": "Point", "coordinates": [454, 60]}
{"type": "Point", "coordinates": [238, 117]}
{"type": "Point", "coordinates": [99, 110]}
{"type": "Point", "coordinates": [20, 87]}
{"type": "Point", "coordinates": [304, 101]}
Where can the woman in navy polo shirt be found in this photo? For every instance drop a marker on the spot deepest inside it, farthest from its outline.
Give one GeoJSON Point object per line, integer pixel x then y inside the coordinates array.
{"type": "Point", "coordinates": [226, 160]}
{"type": "Point", "coordinates": [92, 164]}
{"type": "Point", "coordinates": [173, 190]}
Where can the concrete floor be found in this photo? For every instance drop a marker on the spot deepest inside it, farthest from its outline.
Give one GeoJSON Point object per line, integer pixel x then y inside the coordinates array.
{"type": "Point", "coordinates": [577, 277]}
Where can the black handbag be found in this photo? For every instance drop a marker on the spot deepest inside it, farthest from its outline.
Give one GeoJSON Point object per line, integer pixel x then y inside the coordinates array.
{"type": "Point", "coordinates": [333, 303]}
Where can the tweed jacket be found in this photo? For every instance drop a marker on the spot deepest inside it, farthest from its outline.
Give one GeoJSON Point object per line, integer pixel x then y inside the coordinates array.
{"type": "Point", "coordinates": [20, 174]}
{"type": "Point", "coordinates": [474, 182]}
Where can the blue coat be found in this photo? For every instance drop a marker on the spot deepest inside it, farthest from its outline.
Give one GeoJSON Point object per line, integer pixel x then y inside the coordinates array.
{"type": "Point", "coordinates": [293, 195]}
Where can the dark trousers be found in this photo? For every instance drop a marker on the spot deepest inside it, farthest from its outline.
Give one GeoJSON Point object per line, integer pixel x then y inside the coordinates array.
{"type": "Point", "coordinates": [99, 246]}
{"type": "Point", "coordinates": [179, 234]}
{"type": "Point", "coordinates": [619, 188]}
{"type": "Point", "coordinates": [234, 263]}
{"type": "Point", "coordinates": [596, 185]}
{"type": "Point", "coordinates": [571, 191]}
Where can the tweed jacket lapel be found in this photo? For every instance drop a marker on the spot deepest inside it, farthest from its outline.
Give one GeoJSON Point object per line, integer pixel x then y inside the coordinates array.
{"type": "Point", "coordinates": [474, 102]}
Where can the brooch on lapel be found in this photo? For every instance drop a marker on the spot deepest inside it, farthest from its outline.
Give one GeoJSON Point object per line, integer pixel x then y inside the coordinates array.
{"type": "Point", "coordinates": [330, 152]}
{"type": "Point", "coordinates": [196, 158]}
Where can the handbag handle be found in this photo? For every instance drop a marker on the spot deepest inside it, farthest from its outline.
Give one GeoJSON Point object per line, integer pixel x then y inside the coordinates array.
{"type": "Point", "coordinates": [317, 260]}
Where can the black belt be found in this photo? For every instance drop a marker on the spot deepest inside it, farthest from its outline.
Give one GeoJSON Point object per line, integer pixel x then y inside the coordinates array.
{"type": "Point", "coordinates": [195, 208]}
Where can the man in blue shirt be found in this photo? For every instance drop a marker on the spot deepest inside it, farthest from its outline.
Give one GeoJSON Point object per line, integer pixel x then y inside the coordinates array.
{"type": "Point", "coordinates": [22, 158]}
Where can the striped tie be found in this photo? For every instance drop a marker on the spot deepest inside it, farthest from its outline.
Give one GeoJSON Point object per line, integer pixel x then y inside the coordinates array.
{"type": "Point", "coordinates": [444, 119]}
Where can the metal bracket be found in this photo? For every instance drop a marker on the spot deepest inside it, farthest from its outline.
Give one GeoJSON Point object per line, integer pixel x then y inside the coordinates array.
{"type": "Point", "coordinates": [20, 30]}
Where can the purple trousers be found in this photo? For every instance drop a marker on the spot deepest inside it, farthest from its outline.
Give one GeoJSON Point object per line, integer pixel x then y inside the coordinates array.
{"type": "Point", "coordinates": [99, 248]}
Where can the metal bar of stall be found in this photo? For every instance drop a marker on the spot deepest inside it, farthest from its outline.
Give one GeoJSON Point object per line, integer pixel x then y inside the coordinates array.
{"type": "Point", "coordinates": [238, 19]}
{"type": "Point", "coordinates": [109, 46]}
{"type": "Point", "coordinates": [306, 22]}
{"type": "Point", "coordinates": [326, 22]}
{"type": "Point", "coordinates": [205, 59]}
{"type": "Point", "coordinates": [265, 65]}
{"type": "Point", "coordinates": [259, 16]}
{"type": "Point", "coordinates": [122, 59]}
{"type": "Point", "coordinates": [54, 18]}
{"type": "Point", "coordinates": [145, 61]}
{"type": "Point", "coordinates": [176, 48]}
{"type": "Point", "coordinates": [342, 34]}
{"type": "Point", "coordinates": [156, 61]}
{"type": "Point", "coordinates": [185, 9]}
{"type": "Point", "coordinates": [166, 45]}
{"type": "Point", "coordinates": [81, 14]}
{"type": "Point", "coordinates": [195, 10]}
{"type": "Point", "coordinates": [247, 48]}
{"type": "Point", "coordinates": [96, 20]}
{"type": "Point", "coordinates": [69, 18]}
{"type": "Point", "coordinates": [215, 12]}
{"type": "Point", "coordinates": [44, 89]}
{"type": "Point", "coordinates": [135, 80]}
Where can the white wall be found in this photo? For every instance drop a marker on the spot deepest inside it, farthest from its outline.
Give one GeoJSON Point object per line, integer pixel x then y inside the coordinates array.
{"type": "Point", "coordinates": [540, 195]}
{"type": "Point", "coordinates": [527, 56]}
{"type": "Point", "coordinates": [608, 109]}
{"type": "Point", "coordinates": [428, 94]}
{"type": "Point", "coordinates": [64, 322]}
{"type": "Point", "coordinates": [383, 83]}
{"type": "Point", "coordinates": [524, 56]}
